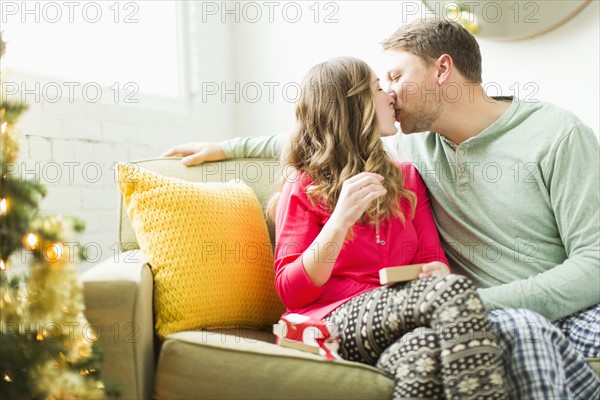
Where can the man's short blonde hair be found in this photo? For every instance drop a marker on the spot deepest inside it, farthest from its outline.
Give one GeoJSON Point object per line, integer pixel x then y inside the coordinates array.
{"type": "Point", "coordinates": [431, 38]}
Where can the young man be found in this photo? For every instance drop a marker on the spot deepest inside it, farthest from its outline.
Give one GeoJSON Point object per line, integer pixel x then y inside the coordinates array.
{"type": "Point", "coordinates": [514, 188]}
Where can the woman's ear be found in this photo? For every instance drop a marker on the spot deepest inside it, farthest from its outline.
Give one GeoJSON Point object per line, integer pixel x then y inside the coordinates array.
{"type": "Point", "coordinates": [444, 65]}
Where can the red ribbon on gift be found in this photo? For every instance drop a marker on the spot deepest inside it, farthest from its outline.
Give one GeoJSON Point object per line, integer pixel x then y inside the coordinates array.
{"type": "Point", "coordinates": [296, 326]}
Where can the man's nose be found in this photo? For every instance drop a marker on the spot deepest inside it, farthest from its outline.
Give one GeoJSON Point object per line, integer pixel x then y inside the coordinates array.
{"type": "Point", "coordinates": [392, 93]}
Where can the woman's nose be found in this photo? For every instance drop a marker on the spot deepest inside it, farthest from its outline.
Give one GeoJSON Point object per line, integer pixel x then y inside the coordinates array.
{"type": "Point", "coordinates": [392, 98]}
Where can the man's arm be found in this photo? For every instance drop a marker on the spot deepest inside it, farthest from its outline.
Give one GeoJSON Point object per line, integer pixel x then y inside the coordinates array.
{"type": "Point", "coordinates": [259, 147]}
{"type": "Point", "coordinates": [239, 147]}
{"type": "Point", "coordinates": [571, 176]}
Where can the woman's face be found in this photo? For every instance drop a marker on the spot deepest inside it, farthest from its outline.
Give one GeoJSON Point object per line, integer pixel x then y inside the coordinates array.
{"type": "Point", "coordinates": [384, 107]}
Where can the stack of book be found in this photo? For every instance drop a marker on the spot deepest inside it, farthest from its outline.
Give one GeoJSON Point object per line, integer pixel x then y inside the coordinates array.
{"type": "Point", "coordinates": [301, 332]}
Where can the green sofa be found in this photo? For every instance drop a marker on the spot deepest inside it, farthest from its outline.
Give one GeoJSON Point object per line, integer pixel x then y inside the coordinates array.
{"type": "Point", "coordinates": [225, 364]}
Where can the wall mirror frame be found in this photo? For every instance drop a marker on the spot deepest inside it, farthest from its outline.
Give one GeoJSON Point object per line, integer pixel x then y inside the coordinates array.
{"type": "Point", "coordinates": [507, 19]}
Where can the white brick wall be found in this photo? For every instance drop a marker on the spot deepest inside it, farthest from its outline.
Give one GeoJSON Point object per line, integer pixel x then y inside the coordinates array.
{"type": "Point", "coordinates": [72, 148]}
{"type": "Point", "coordinates": [71, 145]}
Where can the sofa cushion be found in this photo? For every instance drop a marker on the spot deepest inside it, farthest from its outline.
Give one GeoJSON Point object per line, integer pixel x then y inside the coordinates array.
{"type": "Point", "coordinates": [245, 364]}
{"type": "Point", "coordinates": [208, 248]}
{"type": "Point", "coordinates": [595, 364]}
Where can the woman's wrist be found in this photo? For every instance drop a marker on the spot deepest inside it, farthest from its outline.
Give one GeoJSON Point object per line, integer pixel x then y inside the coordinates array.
{"type": "Point", "coordinates": [339, 223]}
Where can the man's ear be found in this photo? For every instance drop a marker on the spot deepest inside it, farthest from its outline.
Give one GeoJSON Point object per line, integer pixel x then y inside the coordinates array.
{"type": "Point", "coordinates": [444, 66]}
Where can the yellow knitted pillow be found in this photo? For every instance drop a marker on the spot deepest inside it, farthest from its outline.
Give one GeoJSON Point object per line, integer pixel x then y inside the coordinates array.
{"type": "Point", "coordinates": [208, 248]}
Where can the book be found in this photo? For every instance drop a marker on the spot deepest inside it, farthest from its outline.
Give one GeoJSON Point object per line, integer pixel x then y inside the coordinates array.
{"type": "Point", "coordinates": [399, 274]}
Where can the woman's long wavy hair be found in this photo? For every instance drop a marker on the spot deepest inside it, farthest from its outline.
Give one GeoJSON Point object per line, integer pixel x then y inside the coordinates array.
{"type": "Point", "coordinates": [337, 137]}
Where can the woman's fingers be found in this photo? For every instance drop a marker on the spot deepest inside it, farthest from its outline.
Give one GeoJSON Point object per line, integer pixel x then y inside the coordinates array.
{"type": "Point", "coordinates": [356, 195]}
{"type": "Point", "coordinates": [359, 181]}
{"type": "Point", "coordinates": [435, 268]}
{"type": "Point", "coordinates": [364, 196]}
{"type": "Point", "coordinates": [363, 175]}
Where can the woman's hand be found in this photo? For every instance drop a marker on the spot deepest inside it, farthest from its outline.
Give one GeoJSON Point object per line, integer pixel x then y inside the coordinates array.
{"type": "Point", "coordinates": [356, 195]}
{"type": "Point", "coordinates": [434, 269]}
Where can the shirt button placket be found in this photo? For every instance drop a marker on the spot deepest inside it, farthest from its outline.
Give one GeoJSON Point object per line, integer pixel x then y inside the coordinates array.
{"type": "Point", "coordinates": [462, 178]}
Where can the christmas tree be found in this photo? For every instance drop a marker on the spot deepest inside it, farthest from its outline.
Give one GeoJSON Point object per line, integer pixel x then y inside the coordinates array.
{"type": "Point", "coordinates": [47, 348]}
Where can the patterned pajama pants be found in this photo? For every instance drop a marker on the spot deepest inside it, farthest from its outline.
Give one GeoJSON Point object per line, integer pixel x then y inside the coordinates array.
{"type": "Point", "coordinates": [450, 351]}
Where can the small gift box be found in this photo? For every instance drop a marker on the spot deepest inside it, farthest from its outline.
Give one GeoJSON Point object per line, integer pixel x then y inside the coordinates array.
{"type": "Point", "coordinates": [307, 334]}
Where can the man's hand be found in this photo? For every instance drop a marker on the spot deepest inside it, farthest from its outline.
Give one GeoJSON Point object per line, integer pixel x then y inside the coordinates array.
{"type": "Point", "coordinates": [196, 153]}
{"type": "Point", "coordinates": [434, 269]}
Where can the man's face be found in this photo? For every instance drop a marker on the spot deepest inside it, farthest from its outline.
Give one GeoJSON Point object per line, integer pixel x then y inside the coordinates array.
{"type": "Point", "coordinates": [415, 88]}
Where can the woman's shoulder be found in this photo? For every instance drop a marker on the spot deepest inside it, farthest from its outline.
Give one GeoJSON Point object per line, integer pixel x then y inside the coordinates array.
{"type": "Point", "coordinates": [295, 189]}
{"type": "Point", "coordinates": [412, 179]}
{"type": "Point", "coordinates": [296, 182]}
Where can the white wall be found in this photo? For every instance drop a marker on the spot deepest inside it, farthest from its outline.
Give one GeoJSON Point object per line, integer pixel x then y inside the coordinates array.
{"type": "Point", "coordinates": [562, 65]}
{"type": "Point", "coordinates": [283, 51]}
{"type": "Point", "coordinates": [71, 147]}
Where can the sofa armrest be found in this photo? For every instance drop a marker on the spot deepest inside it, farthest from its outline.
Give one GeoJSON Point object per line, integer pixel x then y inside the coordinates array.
{"type": "Point", "coordinates": [118, 302]}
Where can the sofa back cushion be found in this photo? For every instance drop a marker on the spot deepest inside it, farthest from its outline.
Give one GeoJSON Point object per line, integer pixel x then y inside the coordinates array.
{"type": "Point", "coordinates": [262, 175]}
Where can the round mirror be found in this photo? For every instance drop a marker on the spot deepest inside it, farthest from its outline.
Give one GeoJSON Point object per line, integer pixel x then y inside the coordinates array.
{"type": "Point", "coordinates": [514, 19]}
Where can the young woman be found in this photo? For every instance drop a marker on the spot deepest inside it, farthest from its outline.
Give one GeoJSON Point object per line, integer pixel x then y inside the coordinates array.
{"type": "Point", "coordinates": [347, 211]}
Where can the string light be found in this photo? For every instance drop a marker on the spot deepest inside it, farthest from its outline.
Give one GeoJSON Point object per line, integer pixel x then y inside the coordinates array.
{"type": "Point", "coordinates": [3, 127]}
{"type": "Point", "coordinates": [89, 335]}
{"type": "Point", "coordinates": [87, 371]}
{"type": "Point", "coordinates": [7, 378]}
{"type": "Point", "coordinates": [31, 241]}
{"type": "Point", "coordinates": [2, 265]}
{"type": "Point", "coordinates": [54, 252]}
{"type": "Point", "coordinates": [3, 207]}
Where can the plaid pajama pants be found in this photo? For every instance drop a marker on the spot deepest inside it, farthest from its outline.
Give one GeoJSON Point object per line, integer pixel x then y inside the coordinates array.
{"type": "Point", "coordinates": [540, 362]}
{"type": "Point", "coordinates": [583, 330]}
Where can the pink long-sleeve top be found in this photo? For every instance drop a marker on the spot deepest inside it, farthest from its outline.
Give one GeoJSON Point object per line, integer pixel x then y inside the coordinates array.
{"type": "Point", "coordinates": [356, 270]}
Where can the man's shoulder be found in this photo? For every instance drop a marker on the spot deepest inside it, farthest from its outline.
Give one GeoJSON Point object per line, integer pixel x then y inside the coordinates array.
{"type": "Point", "coordinates": [543, 126]}
{"type": "Point", "coordinates": [546, 114]}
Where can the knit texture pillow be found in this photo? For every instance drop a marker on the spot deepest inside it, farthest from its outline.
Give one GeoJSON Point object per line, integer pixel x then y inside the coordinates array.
{"type": "Point", "coordinates": [209, 250]}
